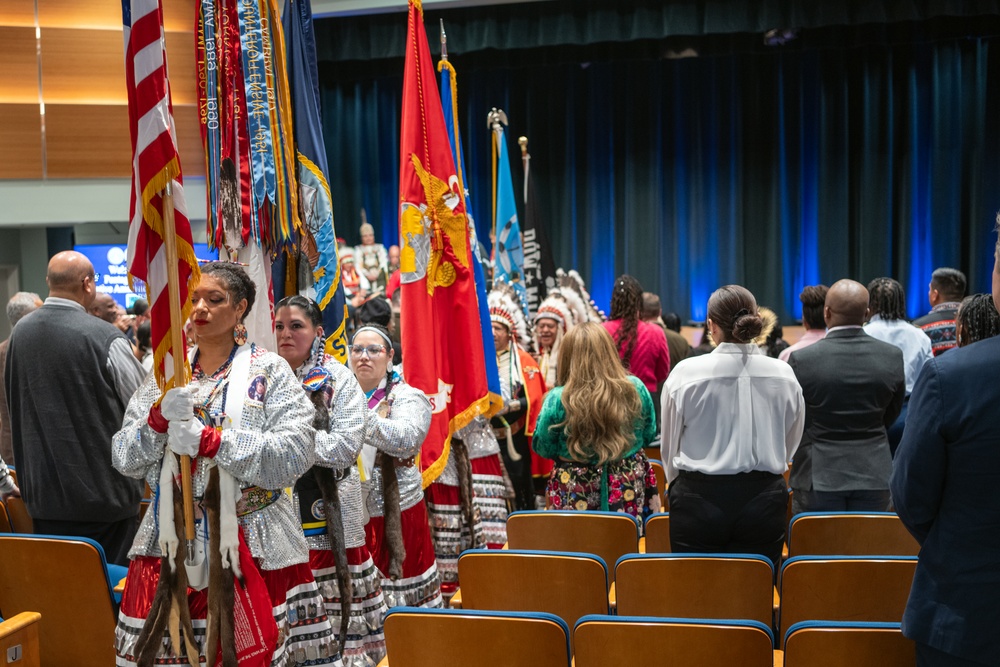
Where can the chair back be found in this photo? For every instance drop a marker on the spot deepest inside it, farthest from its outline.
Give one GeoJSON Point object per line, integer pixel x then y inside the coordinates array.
{"type": "Point", "coordinates": [609, 535]}
{"type": "Point", "coordinates": [657, 532]}
{"type": "Point", "coordinates": [719, 586]}
{"type": "Point", "coordinates": [66, 580]}
{"type": "Point", "coordinates": [20, 520]}
{"type": "Point", "coordinates": [19, 640]}
{"type": "Point", "coordinates": [850, 534]}
{"type": "Point", "coordinates": [567, 584]}
{"type": "Point", "coordinates": [847, 588]}
{"type": "Point", "coordinates": [5, 526]}
{"type": "Point", "coordinates": [632, 640]}
{"type": "Point", "coordinates": [825, 643]}
{"type": "Point", "coordinates": [434, 637]}
{"type": "Point", "coordinates": [661, 481]}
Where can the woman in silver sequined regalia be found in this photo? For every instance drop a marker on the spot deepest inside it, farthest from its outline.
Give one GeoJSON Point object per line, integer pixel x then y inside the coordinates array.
{"type": "Point", "coordinates": [341, 404]}
{"type": "Point", "coordinates": [398, 419]}
{"type": "Point", "coordinates": [244, 414]}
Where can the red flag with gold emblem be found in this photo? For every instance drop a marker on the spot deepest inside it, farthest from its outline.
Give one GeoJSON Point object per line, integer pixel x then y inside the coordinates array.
{"type": "Point", "coordinates": [441, 333]}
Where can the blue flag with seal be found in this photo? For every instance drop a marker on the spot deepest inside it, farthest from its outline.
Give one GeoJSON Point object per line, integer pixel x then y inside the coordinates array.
{"type": "Point", "coordinates": [449, 103]}
{"type": "Point", "coordinates": [508, 251]}
{"type": "Point", "coordinates": [318, 243]}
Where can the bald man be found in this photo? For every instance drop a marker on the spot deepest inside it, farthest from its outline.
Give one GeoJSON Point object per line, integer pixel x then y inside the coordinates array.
{"type": "Point", "coordinates": [853, 386]}
{"type": "Point", "coordinates": [69, 377]}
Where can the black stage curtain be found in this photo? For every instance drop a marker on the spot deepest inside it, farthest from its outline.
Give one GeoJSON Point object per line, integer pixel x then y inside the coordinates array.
{"type": "Point", "coordinates": [849, 152]}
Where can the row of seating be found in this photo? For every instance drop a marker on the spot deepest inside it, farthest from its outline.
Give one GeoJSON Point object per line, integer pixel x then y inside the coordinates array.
{"type": "Point", "coordinates": [736, 586]}
{"type": "Point", "coordinates": [14, 517]}
{"type": "Point", "coordinates": [428, 638]}
{"type": "Point", "coordinates": [612, 535]}
{"type": "Point", "coordinates": [67, 580]}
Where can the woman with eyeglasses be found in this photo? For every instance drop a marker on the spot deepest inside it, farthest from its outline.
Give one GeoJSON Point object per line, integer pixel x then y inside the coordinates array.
{"type": "Point", "coordinates": [329, 495]}
{"type": "Point", "coordinates": [246, 423]}
{"type": "Point", "coordinates": [398, 533]}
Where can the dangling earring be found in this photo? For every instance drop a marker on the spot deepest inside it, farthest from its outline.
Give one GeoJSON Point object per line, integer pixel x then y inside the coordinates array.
{"type": "Point", "coordinates": [240, 334]}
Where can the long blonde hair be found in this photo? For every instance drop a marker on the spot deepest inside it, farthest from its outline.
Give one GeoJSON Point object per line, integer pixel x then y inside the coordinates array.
{"type": "Point", "coordinates": [601, 402]}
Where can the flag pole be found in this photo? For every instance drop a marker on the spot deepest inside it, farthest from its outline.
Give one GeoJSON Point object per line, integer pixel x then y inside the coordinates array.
{"type": "Point", "coordinates": [495, 121]}
{"type": "Point", "coordinates": [177, 351]}
{"type": "Point", "coordinates": [526, 161]}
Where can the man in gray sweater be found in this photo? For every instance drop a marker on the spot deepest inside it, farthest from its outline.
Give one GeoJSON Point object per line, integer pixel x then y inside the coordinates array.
{"type": "Point", "coordinates": [69, 377]}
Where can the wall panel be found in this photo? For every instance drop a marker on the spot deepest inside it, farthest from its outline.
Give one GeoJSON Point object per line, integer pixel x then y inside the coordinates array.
{"type": "Point", "coordinates": [87, 141]}
{"type": "Point", "coordinates": [20, 141]}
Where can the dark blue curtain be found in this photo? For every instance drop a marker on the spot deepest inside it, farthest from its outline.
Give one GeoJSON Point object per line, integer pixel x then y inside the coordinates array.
{"type": "Point", "coordinates": [845, 154]}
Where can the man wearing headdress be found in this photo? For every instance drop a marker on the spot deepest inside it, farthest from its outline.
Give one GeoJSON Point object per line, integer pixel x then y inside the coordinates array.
{"type": "Point", "coordinates": [522, 387]}
{"type": "Point", "coordinates": [372, 259]}
{"type": "Point", "coordinates": [553, 319]}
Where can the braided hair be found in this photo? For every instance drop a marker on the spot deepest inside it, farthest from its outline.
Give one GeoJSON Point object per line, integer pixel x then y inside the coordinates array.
{"type": "Point", "coordinates": [626, 305]}
{"type": "Point", "coordinates": [977, 319]}
{"type": "Point", "coordinates": [887, 299]}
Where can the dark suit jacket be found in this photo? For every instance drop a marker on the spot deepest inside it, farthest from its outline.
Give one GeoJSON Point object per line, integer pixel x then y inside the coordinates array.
{"type": "Point", "coordinates": [853, 386]}
{"type": "Point", "coordinates": [946, 489]}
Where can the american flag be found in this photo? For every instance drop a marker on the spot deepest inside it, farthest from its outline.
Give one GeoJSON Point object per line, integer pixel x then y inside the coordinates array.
{"type": "Point", "coordinates": [155, 163]}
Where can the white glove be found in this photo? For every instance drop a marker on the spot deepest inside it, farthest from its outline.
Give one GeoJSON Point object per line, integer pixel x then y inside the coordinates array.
{"type": "Point", "coordinates": [184, 436]}
{"type": "Point", "coordinates": [177, 404]}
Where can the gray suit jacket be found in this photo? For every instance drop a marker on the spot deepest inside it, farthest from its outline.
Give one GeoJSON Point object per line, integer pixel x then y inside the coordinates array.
{"type": "Point", "coordinates": [853, 386]}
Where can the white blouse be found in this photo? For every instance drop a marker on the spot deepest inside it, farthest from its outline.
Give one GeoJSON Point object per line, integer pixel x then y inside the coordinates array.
{"type": "Point", "coordinates": [732, 411]}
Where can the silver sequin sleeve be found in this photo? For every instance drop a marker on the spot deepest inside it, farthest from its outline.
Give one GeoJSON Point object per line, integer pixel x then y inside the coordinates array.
{"type": "Point", "coordinates": [136, 450]}
{"type": "Point", "coordinates": [274, 444]}
{"type": "Point", "coordinates": [400, 435]}
{"type": "Point", "coordinates": [339, 448]}
{"type": "Point", "coordinates": [403, 431]}
{"type": "Point", "coordinates": [479, 438]}
{"type": "Point", "coordinates": [272, 448]}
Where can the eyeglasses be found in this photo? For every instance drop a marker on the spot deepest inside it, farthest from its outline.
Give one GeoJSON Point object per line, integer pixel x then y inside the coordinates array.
{"type": "Point", "coordinates": [370, 350]}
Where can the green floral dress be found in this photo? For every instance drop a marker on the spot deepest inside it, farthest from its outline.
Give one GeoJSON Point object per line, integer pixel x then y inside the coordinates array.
{"type": "Point", "coordinates": [623, 485]}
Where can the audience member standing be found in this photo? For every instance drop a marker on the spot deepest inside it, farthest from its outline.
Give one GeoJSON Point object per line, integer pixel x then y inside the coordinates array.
{"type": "Point", "coordinates": [19, 305]}
{"type": "Point", "coordinates": [944, 488]}
{"type": "Point", "coordinates": [677, 344]}
{"type": "Point", "coordinates": [887, 313]}
{"type": "Point", "coordinates": [944, 294]}
{"type": "Point", "coordinates": [594, 424]}
{"type": "Point", "coordinates": [977, 319]}
{"type": "Point", "coordinates": [853, 387]}
{"type": "Point", "coordinates": [812, 297]}
{"type": "Point", "coordinates": [731, 421]}
{"type": "Point", "coordinates": [69, 377]}
{"type": "Point", "coordinates": [642, 346]}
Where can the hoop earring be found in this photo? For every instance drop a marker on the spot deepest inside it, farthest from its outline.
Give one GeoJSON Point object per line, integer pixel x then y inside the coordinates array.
{"type": "Point", "coordinates": [240, 334]}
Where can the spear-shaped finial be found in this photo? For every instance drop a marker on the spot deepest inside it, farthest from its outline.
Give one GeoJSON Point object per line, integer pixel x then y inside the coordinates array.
{"type": "Point", "coordinates": [444, 42]}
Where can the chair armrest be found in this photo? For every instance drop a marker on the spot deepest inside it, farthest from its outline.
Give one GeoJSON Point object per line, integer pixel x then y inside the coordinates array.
{"type": "Point", "coordinates": [456, 599]}
{"type": "Point", "coordinates": [642, 544]}
{"type": "Point", "coordinates": [779, 658]}
{"type": "Point", "coordinates": [612, 598]}
{"type": "Point", "coordinates": [384, 662]}
{"type": "Point", "coordinates": [18, 623]}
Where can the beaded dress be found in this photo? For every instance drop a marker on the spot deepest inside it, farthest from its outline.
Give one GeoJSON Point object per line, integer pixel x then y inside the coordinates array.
{"type": "Point", "coordinates": [271, 447]}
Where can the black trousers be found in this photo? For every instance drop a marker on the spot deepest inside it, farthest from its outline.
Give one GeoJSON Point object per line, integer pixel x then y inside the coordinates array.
{"type": "Point", "coordinates": [114, 537]}
{"type": "Point", "coordinates": [742, 513]}
{"type": "Point", "coordinates": [519, 472]}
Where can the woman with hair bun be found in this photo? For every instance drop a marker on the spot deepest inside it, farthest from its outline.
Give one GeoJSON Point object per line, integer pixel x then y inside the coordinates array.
{"type": "Point", "coordinates": [731, 421]}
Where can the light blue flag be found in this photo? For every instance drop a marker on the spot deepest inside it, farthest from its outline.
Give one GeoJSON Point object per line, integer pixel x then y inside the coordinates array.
{"type": "Point", "coordinates": [449, 87]}
{"type": "Point", "coordinates": [507, 248]}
